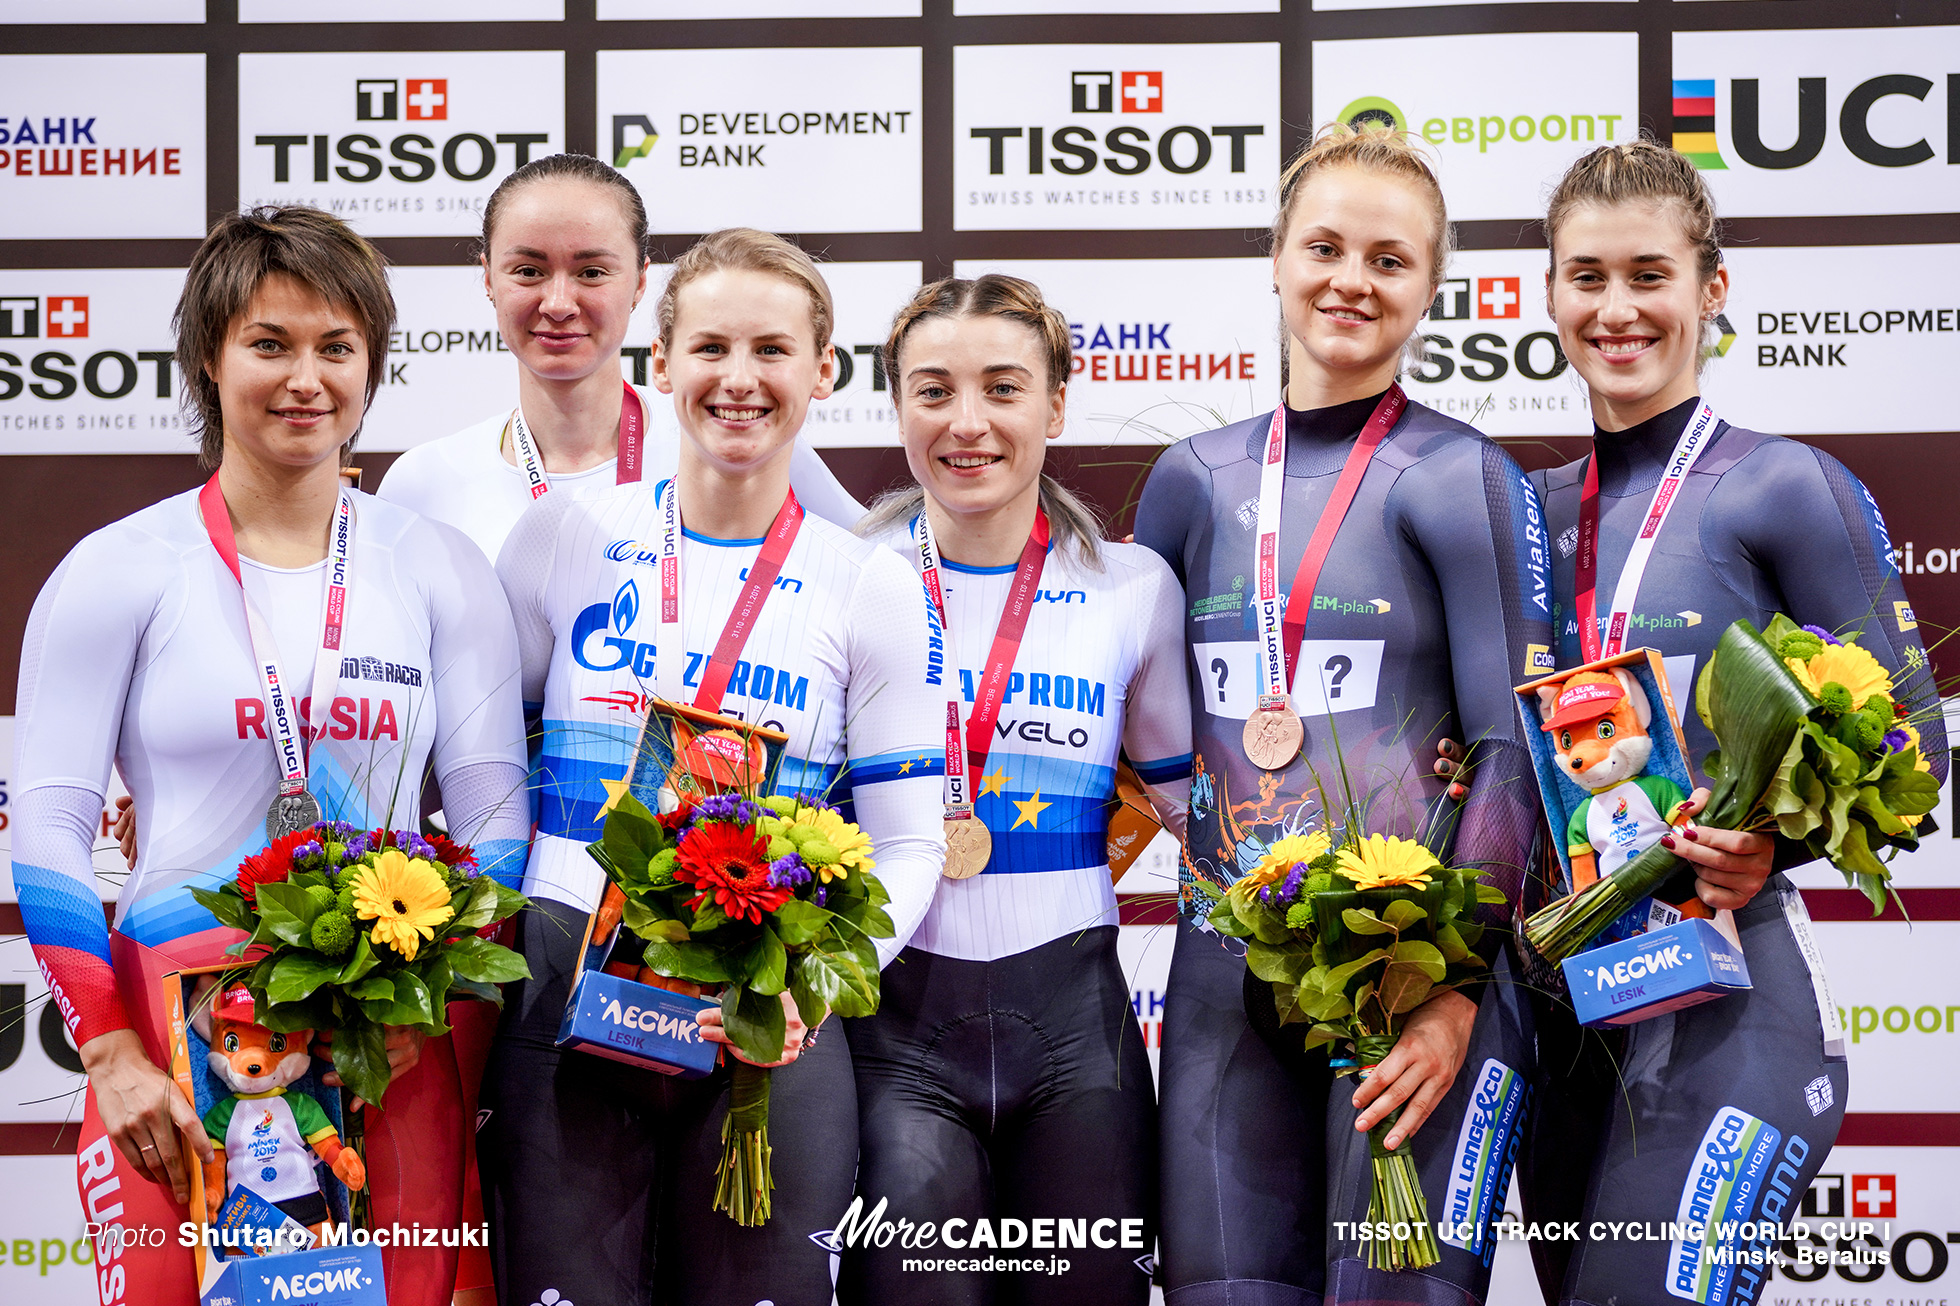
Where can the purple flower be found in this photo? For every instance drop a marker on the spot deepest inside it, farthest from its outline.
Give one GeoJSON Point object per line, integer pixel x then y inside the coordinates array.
{"type": "Point", "coordinates": [726, 807]}
{"type": "Point", "coordinates": [357, 848]}
{"type": "Point", "coordinates": [1291, 889]}
{"type": "Point", "coordinates": [823, 892]}
{"type": "Point", "coordinates": [1895, 741]}
{"type": "Point", "coordinates": [341, 829]}
{"type": "Point", "coordinates": [1823, 634]}
{"type": "Point", "coordinates": [308, 850]}
{"type": "Point", "coordinates": [416, 846]}
{"type": "Point", "coordinates": [788, 872]}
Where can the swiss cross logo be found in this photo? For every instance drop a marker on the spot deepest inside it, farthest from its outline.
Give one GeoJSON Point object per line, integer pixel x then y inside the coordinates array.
{"type": "Point", "coordinates": [67, 317]}
{"type": "Point", "coordinates": [428, 98]}
{"type": "Point", "coordinates": [1497, 297]}
{"type": "Point", "coordinates": [1874, 1197]}
{"type": "Point", "coordinates": [1143, 92]}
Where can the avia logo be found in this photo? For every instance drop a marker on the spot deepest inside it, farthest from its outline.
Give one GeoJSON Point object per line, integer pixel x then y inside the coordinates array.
{"type": "Point", "coordinates": [379, 99]}
{"type": "Point", "coordinates": [21, 317]}
{"type": "Point", "coordinates": [1696, 132]}
{"type": "Point", "coordinates": [1096, 92]}
{"type": "Point", "coordinates": [622, 125]}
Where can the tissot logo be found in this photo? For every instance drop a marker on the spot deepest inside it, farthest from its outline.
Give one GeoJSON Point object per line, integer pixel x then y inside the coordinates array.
{"type": "Point", "coordinates": [1486, 356]}
{"type": "Point", "coordinates": [378, 99]}
{"type": "Point", "coordinates": [1186, 140]}
{"type": "Point", "coordinates": [53, 373]}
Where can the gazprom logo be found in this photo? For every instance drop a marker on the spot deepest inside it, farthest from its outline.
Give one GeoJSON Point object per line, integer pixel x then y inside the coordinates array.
{"type": "Point", "coordinates": [625, 607]}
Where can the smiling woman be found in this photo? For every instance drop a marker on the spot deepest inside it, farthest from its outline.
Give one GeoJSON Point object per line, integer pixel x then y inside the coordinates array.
{"type": "Point", "coordinates": [169, 644]}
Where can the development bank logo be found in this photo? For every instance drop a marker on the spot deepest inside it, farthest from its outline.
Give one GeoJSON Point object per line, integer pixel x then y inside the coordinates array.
{"type": "Point", "coordinates": [1694, 124]}
{"type": "Point", "coordinates": [622, 125]}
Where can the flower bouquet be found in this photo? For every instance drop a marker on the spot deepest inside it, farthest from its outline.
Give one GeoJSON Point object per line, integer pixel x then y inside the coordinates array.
{"type": "Point", "coordinates": [1812, 744]}
{"type": "Point", "coordinates": [353, 931]}
{"type": "Point", "coordinates": [761, 896]}
{"type": "Point", "coordinates": [1353, 938]}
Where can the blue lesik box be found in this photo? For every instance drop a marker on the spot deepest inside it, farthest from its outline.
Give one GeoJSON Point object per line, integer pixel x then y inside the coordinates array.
{"type": "Point", "coordinates": [332, 1276]}
{"type": "Point", "coordinates": [1686, 964]}
{"type": "Point", "coordinates": [638, 1024]}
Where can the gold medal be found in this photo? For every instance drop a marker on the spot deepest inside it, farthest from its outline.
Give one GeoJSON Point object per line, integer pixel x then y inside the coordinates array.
{"type": "Point", "coordinates": [968, 846]}
{"type": "Point", "coordinates": [1273, 737]}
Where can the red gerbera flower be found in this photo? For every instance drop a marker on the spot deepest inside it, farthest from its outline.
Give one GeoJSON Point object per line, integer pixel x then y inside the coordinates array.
{"type": "Point", "coordinates": [729, 863]}
{"type": "Point", "coordinates": [677, 820]}
{"type": "Point", "coordinates": [451, 853]}
{"type": "Point", "coordinates": [270, 865]}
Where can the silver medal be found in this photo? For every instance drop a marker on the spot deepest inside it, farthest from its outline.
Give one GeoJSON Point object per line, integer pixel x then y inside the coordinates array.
{"type": "Point", "coordinates": [290, 813]}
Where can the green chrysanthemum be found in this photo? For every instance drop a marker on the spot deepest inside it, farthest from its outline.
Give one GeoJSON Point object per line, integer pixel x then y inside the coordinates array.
{"type": "Point", "coordinates": [333, 933]}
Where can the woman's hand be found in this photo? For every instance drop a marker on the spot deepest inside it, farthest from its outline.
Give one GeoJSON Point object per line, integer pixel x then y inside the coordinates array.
{"type": "Point", "coordinates": [404, 1044]}
{"type": "Point", "coordinates": [797, 1037]}
{"type": "Point", "coordinates": [125, 828]}
{"type": "Point", "coordinates": [1730, 865]}
{"type": "Point", "coordinates": [1420, 1070]}
{"type": "Point", "coordinates": [142, 1109]}
{"type": "Point", "coordinates": [1449, 765]}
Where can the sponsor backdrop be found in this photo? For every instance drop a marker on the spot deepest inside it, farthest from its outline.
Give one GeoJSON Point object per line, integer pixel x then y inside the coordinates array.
{"type": "Point", "coordinates": [1124, 154]}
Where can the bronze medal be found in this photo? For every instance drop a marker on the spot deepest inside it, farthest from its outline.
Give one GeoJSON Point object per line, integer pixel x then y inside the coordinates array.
{"type": "Point", "coordinates": [968, 846]}
{"type": "Point", "coordinates": [1273, 737]}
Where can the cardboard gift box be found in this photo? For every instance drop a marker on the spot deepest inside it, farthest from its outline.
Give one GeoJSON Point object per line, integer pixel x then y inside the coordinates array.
{"type": "Point", "coordinates": [327, 1276]}
{"type": "Point", "coordinates": [241, 1217]}
{"type": "Point", "coordinates": [1653, 926]}
{"type": "Point", "coordinates": [1658, 971]}
{"type": "Point", "coordinates": [682, 752]}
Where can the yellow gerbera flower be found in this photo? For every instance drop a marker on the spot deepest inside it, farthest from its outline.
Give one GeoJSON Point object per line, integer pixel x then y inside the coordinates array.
{"type": "Point", "coordinates": [1849, 665]}
{"type": "Point", "coordinates": [1379, 863]}
{"type": "Point", "coordinates": [406, 899]}
{"type": "Point", "coordinates": [1919, 763]}
{"type": "Point", "coordinates": [1282, 855]}
{"type": "Point", "coordinates": [852, 844]}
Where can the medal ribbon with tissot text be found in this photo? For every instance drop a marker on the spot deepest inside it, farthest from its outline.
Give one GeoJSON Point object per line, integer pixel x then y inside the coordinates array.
{"type": "Point", "coordinates": [742, 617]}
{"type": "Point", "coordinates": [288, 743]}
{"type": "Point", "coordinates": [966, 754]}
{"type": "Point", "coordinates": [632, 446]}
{"type": "Point", "coordinates": [1280, 638]}
{"type": "Point", "coordinates": [1694, 441]}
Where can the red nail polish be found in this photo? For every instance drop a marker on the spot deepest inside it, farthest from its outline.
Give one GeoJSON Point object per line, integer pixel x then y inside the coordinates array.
{"type": "Point", "coordinates": [1690, 832]}
{"type": "Point", "coordinates": [1667, 842]}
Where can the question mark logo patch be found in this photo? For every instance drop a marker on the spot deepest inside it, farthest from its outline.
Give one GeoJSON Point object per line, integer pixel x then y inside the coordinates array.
{"type": "Point", "coordinates": [1337, 667]}
{"type": "Point", "coordinates": [1222, 670]}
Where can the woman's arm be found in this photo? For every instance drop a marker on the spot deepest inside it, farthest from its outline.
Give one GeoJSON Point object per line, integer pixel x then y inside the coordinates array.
{"type": "Point", "coordinates": [892, 716]}
{"type": "Point", "coordinates": [1157, 703]}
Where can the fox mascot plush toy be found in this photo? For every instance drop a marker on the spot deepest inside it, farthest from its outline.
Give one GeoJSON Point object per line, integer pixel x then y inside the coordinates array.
{"type": "Point", "coordinates": [266, 1139]}
{"type": "Point", "coordinates": [1598, 721]}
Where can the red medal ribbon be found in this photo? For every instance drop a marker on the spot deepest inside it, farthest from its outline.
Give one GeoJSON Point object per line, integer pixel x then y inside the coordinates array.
{"type": "Point", "coordinates": [992, 689]}
{"type": "Point", "coordinates": [748, 604]}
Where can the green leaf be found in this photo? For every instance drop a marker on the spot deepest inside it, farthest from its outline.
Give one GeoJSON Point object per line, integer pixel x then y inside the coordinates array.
{"type": "Point", "coordinates": [480, 992]}
{"type": "Point", "coordinates": [754, 1022]}
{"type": "Point", "coordinates": [1362, 921]}
{"type": "Point", "coordinates": [478, 908]}
{"type": "Point", "coordinates": [297, 974]}
{"type": "Point", "coordinates": [509, 901]}
{"type": "Point", "coordinates": [485, 962]}
{"type": "Point", "coordinates": [694, 960]}
{"type": "Point", "coordinates": [412, 1003]}
{"type": "Point", "coordinates": [1426, 957]}
{"type": "Point", "coordinates": [287, 912]}
{"type": "Point", "coordinates": [1336, 978]}
{"type": "Point", "coordinates": [708, 917]}
{"type": "Point", "coordinates": [375, 988]}
{"type": "Point", "coordinates": [1450, 943]}
{"type": "Point", "coordinates": [632, 835]}
{"type": "Point", "coordinates": [1404, 988]}
{"type": "Point", "coordinates": [359, 962]}
{"type": "Point", "coordinates": [360, 1057]}
{"type": "Point", "coordinates": [769, 965]}
{"type": "Point", "coordinates": [799, 921]}
{"type": "Point", "coordinates": [1285, 963]}
{"type": "Point", "coordinates": [228, 905]}
{"type": "Point", "coordinates": [840, 980]}
{"type": "Point", "coordinates": [1225, 919]}
{"type": "Point", "coordinates": [1402, 913]}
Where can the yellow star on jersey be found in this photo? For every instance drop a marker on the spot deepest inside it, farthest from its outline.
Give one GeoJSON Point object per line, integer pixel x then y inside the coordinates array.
{"type": "Point", "coordinates": [615, 790]}
{"type": "Point", "coordinates": [992, 784]}
{"type": "Point", "coordinates": [1030, 810]}
{"type": "Point", "coordinates": [905, 766]}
